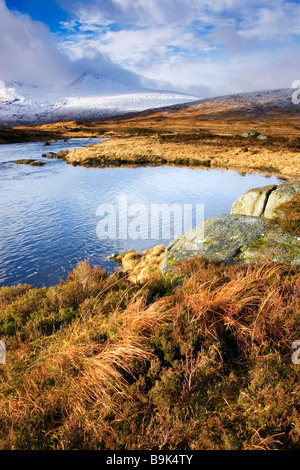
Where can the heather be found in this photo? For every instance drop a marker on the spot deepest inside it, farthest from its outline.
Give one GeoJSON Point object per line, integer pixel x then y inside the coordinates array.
{"type": "Point", "coordinates": [199, 358]}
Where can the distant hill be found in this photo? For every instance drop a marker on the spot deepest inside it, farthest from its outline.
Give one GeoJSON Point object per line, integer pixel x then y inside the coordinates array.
{"type": "Point", "coordinates": [91, 96]}
{"type": "Point", "coordinates": [240, 105]}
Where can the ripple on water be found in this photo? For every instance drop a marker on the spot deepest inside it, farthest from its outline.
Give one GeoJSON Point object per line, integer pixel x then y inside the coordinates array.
{"type": "Point", "coordinates": [48, 214]}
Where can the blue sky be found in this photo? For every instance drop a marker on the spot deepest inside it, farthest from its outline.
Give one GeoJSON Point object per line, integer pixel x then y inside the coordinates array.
{"type": "Point", "coordinates": [207, 48]}
{"type": "Point", "coordinates": [49, 11]}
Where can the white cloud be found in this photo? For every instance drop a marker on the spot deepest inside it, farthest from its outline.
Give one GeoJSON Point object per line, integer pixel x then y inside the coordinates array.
{"type": "Point", "coordinates": [278, 21]}
{"type": "Point", "coordinates": [161, 12]}
{"type": "Point", "coordinates": [220, 46]}
{"type": "Point", "coordinates": [203, 47]}
{"type": "Point", "coordinates": [28, 52]}
{"type": "Point", "coordinates": [138, 12]}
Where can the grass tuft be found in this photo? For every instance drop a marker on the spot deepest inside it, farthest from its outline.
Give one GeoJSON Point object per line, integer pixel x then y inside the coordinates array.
{"type": "Point", "coordinates": [197, 359]}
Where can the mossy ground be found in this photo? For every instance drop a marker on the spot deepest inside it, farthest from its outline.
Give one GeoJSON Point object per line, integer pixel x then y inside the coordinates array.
{"type": "Point", "coordinates": [288, 216]}
{"type": "Point", "coordinates": [197, 359]}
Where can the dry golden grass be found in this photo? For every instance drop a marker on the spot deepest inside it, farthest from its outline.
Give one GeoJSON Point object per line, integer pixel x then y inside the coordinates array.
{"type": "Point", "coordinates": [202, 363]}
{"type": "Point", "coordinates": [237, 154]}
{"type": "Point", "coordinates": [138, 360]}
{"type": "Point", "coordinates": [138, 139]}
{"type": "Point", "coordinates": [141, 267]}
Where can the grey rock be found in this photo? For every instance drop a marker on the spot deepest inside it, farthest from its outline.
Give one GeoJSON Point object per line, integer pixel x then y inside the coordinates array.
{"type": "Point", "coordinates": [49, 155]}
{"type": "Point", "coordinates": [284, 193]}
{"type": "Point", "coordinates": [263, 202]}
{"type": "Point", "coordinates": [114, 257]}
{"type": "Point", "coordinates": [235, 239]}
{"type": "Point", "coordinates": [253, 202]}
{"type": "Point", "coordinates": [251, 134]}
{"type": "Point", "coordinates": [262, 137]}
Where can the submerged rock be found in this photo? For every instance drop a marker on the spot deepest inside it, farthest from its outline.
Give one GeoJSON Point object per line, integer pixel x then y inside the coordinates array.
{"type": "Point", "coordinates": [235, 239]}
{"type": "Point", "coordinates": [61, 154]}
{"type": "Point", "coordinates": [114, 257]}
{"type": "Point", "coordinates": [49, 155]}
{"type": "Point", "coordinates": [29, 161]}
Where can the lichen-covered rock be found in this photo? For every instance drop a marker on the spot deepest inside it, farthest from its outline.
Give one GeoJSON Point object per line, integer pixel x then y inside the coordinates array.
{"type": "Point", "coordinates": [283, 193]}
{"type": "Point", "coordinates": [49, 155]}
{"type": "Point", "coordinates": [235, 239]}
{"type": "Point", "coordinates": [251, 134]}
{"type": "Point", "coordinates": [253, 202]}
{"type": "Point", "coordinates": [262, 137]}
{"type": "Point", "coordinates": [263, 202]}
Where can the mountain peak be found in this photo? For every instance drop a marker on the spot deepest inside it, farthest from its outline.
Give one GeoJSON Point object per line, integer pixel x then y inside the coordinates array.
{"type": "Point", "coordinates": [92, 96]}
{"type": "Point", "coordinates": [92, 83]}
{"type": "Point", "coordinates": [88, 74]}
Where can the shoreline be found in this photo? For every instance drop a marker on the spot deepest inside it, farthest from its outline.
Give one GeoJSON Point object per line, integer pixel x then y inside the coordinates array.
{"type": "Point", "coordinates": [130, 152]}
{"type": "Point", "coordinates": [191, 136]}
{"type": "Point", "coordinates": [253, 157]}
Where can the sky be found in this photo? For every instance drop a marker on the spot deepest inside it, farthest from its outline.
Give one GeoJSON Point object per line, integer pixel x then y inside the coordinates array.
{"type": "Point", "coordinates": [204, 48]}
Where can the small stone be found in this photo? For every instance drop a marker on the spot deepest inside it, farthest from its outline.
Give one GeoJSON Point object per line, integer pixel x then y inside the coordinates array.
{"type": "Point", "coordinates": [251, 134]}
{"type": "Point", "coordinates": [262, 137]}
{"type": "Point", "coordinates": [113, 257]}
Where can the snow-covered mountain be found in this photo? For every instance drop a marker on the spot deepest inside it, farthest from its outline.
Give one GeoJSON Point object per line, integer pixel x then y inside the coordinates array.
{"type": "Point", "coordinates": [253, 102]}
{"type": "Point", "coordinates": [92, 96]}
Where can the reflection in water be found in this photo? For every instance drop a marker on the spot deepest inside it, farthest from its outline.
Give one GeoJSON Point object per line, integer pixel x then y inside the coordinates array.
{"type": "Point", "coordinates": [48, 214]}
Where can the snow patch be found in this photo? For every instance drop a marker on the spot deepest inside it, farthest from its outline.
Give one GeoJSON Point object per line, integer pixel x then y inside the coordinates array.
{"type": "Point", "coordinates": [91, 96]}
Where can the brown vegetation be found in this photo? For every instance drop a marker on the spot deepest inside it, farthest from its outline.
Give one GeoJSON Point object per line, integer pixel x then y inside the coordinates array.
{"type": "Point", "coordinates": [206, 134]}
{"type": "Point", "coordinates": [200, 359]}
{"type": "Point", "coordinates": [276, 156]}
{"type": "Point", "coordinates": [288, 216]}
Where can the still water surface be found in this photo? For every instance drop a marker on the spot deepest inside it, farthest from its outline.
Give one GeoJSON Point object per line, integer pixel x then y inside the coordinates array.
{"type": "Point", "coordinates": [48, 214]}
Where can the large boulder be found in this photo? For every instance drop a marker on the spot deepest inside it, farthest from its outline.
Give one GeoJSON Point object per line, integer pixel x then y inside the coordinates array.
{"type": "Point", "coordinates": [283, 193]}
{"type": "Point", "coordinates": [253, 202]}
{"type": "Point", "coordinates": [235, 239]}
{"type": "Point", "coordinates": [263, 202]}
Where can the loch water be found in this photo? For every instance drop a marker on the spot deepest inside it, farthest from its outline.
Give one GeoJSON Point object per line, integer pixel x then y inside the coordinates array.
{"type": "Point", "coordinates": [48, 214]}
